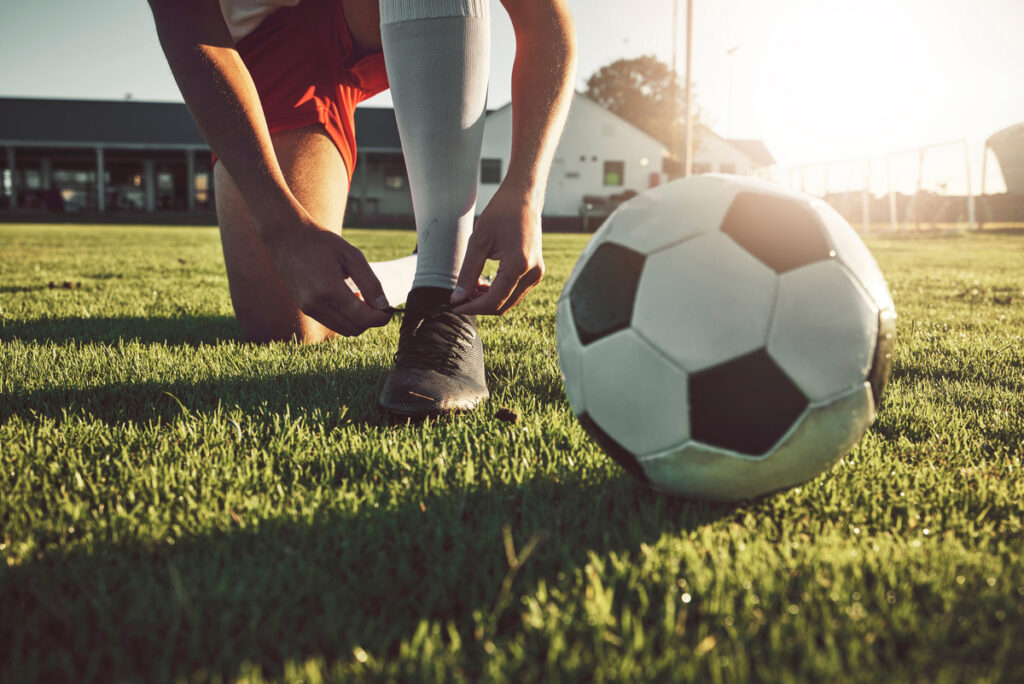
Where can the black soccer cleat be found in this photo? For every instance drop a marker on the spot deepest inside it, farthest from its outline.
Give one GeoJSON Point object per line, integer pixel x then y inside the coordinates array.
{"type": "Point", "coordinates": [439, 365]}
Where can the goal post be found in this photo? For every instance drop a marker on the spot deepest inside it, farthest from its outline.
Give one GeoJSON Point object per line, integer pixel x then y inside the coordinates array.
{"type": "Point", "coordinates": [921, 188]}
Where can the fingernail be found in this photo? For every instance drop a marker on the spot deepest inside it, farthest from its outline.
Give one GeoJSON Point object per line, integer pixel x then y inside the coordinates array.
{"type": "Point", "coordinates": [458, 295]}
{"type": "Point", "coordinates": [381, 302]}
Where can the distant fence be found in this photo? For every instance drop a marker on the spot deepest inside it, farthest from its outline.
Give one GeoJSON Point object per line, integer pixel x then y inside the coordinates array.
{"type": "Point", "coordinates": [924, 188]}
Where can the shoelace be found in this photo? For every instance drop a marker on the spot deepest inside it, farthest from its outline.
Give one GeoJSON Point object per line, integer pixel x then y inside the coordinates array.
{"type": "Point", "coordinates": [447, 308]}
{"type": "Point", "coordinates": [437, 341]}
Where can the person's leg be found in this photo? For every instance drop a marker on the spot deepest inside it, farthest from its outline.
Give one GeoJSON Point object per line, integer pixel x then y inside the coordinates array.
{"type": "Point", "coordinates": [437, 54]}
{"type": "Point", "coordinates": [438, 58]}
{"type": "Point", "coordinates": [316, 175]}
{"type": "Point", "coordinates": [362, 18]}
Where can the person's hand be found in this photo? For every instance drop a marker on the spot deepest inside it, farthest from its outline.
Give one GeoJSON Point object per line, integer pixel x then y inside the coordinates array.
{"type": "Point", "coordinates": [314, 263]}
{"type": "Point", "coordinates": [509, 232]}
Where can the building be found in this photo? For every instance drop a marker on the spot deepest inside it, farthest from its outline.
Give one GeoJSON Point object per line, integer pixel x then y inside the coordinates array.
{"type": "Point", "coordinates": [147, 161]}
{"type": "Point", "coordinates": [598, 154]}
{"type": "Point", "coordinates": [602, 158]}
{"type": "Point", "coordinates": [98, 156]}
{"type": "Point", "coordinates": [730, 155]}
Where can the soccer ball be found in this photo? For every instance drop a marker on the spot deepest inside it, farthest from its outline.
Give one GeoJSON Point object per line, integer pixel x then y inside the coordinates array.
{"type": "Point", "coordinates": [723, 337]}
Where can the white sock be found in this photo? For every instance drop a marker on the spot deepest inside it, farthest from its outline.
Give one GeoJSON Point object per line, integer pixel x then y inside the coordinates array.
{"type": "Point", "coordinates": [437, 54]}
{"type": "Point", "coordinates": [395, 278]}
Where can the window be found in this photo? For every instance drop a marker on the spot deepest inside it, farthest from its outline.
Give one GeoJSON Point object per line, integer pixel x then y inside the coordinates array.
{"type": "Point", "coordinates": [614, 172]}
{"type": "Point", "coordinates": [394, 177]}
{"type": "Point", "coordinates": [32, 179]}
{"type": "Point", "coordinates": [727, 168]}
{"type": "Point", "coordinates": [490, 171]}
{"type": "Point", "coordinates": [202, 188]}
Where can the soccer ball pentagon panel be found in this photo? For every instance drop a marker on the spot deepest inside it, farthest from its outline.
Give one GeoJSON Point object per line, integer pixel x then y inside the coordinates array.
{"type": "Point", "coordinates": [722, 337]}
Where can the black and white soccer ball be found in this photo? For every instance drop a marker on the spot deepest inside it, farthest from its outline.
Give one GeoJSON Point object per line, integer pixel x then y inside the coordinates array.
{"type": "Point", "coordinates": [723, 337]}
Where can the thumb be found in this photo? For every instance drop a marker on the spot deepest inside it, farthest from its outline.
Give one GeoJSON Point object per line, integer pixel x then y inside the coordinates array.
{"type": "Point", "coordinates": [472, 267]}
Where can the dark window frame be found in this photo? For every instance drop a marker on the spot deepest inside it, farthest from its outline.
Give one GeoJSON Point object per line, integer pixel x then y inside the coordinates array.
{"type": "Point", "coordinates": [395, 171]}
{"type": "Point", "coordinates": [614, 173]}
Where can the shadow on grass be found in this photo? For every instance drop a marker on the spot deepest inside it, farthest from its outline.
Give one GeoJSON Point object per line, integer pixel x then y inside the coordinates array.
{"type": "Point", "coordinates": [307, 393]}
{"type": "Point", "coordinates": [285, 590]}
{"type": "Point", "coordinates": [185, 330]}
{"type": "Point", "coordinates": [310, 394]}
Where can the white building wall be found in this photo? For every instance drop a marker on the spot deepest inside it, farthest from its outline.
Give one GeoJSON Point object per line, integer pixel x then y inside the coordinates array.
{"type": "Point", "coordinates": [715, 155]}
{"type": "Point", "coordinates": [592, 136]}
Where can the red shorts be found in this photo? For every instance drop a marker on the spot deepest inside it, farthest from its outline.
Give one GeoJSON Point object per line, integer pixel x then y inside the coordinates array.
{"type": "Point", "coordinates": [301, 60]}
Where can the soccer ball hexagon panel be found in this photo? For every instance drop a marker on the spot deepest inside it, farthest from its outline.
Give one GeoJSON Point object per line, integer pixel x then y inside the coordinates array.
{"type": "Point", "coordinates": [723, 337]}
{"type": "Point", "coordinates": [824, 329]}
{"type": "Point", "coordinates": [668, 214]}
{"type": "Point", "coordinates": [704, 301]}
{"type": "Point", "coordinates": [652, 420]}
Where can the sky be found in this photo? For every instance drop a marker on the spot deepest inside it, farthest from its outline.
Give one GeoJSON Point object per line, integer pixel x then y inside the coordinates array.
{"type": "Point", "coordinates": [815, 79]}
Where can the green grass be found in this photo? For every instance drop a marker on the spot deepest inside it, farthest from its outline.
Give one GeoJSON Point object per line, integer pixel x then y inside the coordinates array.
{"type": "Point", "coordinates": [177, 504]}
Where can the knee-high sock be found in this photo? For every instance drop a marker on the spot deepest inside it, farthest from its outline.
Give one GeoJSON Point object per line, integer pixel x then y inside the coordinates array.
{"type": "Point", "coordinates": [437, 54]}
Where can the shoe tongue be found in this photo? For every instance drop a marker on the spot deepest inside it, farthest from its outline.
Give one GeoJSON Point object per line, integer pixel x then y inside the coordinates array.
{"type": "Point", "coordinates": [427, 299]}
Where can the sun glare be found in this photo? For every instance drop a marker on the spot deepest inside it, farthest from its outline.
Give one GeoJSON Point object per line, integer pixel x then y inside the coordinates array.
{"type": "Point", "coordinates": [849, 78]}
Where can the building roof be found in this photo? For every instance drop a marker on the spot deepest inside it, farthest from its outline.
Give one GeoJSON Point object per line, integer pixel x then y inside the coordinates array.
{"type": "Point", "coordinates": [97, 122]}
{"type": "Point", "coordinates": [128, 123]}
{"type": "Point", "coordinates": [755, 149]}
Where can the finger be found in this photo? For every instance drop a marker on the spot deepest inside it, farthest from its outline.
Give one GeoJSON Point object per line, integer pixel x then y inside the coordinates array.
{"type": "Point", "coordinates": [358, 269]}
{"type": "Point", "coordinates": [347, 315]}
{"type": "Point", "coordinates": [359, 312]}
{"type": "Point", "coordinates": [469, 274]}
{"type": "Point", "coordinates": [341, 310]}
{"type": "Point", "coordinates": [504, 283]}
{"type": "Point", "coordinates": [482, 287]}
{"type": "Point", "coordinates": [526, 283]}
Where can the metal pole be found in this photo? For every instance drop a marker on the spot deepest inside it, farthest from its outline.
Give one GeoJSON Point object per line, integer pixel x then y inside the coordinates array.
{"type": "Point", "coordinates": [865, 198]}
{"type": "Point", "coordinates": [970, 194]}
{"type": "Point", "coordinates": [101, 186]}
{"type": "Point", "coordinates": [688, 169]}
{"type": "Point", "coordinates": [917, 193]}
{"type": "Point", "coordinates": [190, 180]}
{"type": "Point", "coordinates": [149, 184]}
{"type": "Point", "coordinates": [673, 142]}
{"type": "Point", "coordinates": [984, 197]}
{"type": "Point", "coordinates": [46, 171]}
{"type": "Point", "coordinates": [729, 53]}
{"type": "Point", "coordinates": [893, 226]}
{"type": "Point", "coordinates": [11, 162]}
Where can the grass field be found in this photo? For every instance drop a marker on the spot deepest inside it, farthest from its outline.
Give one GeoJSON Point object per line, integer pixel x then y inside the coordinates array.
{"type": "Point", "coordinates": [180, 505]}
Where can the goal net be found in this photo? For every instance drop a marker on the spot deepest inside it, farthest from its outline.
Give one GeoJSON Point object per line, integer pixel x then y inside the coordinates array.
{"type": "Point", "coordinates": [924, 188]}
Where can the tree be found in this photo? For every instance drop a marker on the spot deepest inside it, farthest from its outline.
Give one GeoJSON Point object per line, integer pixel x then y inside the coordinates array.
{"type": "Point", "coordinates": [641, 90]}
